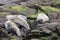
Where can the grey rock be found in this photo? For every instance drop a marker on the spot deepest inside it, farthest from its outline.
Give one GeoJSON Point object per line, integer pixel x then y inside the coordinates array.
{"type": "Point", "coordinates": [33, 24]}
{"type": "Point", "coordinates": [52, 16]}
{"type": "Point", "coordinates": [43, 2]}
{"type": "Point", "coordinates": [45, 30]}
{"type": "Point", "coordinates": [58, 16]}
{"type": "Point", "coordinates": [53, 38]}
{"type": "Point", "coordinates": [24, 0]}
{"type": "Point", "coordinates": [13, 2]}
{"type": "Point", "coordinates": [3, 32]}
{"type": "Point", "coordinates": [35, 39]}
{"type": "Point", "coordinates": [51, 26]}
{"type": "Point", "coordinates": [57, 20]}
{"type": "Point", "coordinates": [33, 1]}
{"type": "Point", "coordinates": [9, 2]}
{"type": "Point", "coordinates": [23, 3]}
{"type": "Point", "coordinates": [30, 12]}
{"type": "Point", "coordinates": [2, 1]}
{"type": "Point", "coordinates": [58, 31]}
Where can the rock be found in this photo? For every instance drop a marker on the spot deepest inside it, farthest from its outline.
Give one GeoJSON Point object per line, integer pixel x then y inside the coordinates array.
{"type": "Point", "coordinates": [21, 10]}
{"type": "Point", "coordinates": [54, 27]}
{"type": "Point", "coordinates": [2, 25]}
{"type": "Point", "coordinates": [34, 32]}
{"type": "Point", "coordinates": [9, 2]}
{"type": "Point", "coordinates": [30, 12]}
{"type": "Point", "coordinates": [42, 2]}
{"type": "Point", "coordinates": [51, 26]}
{"type": "Point", "coordinates": [3, 33]}
{"type": "Point", "coordinates": [35, 39]}
{"type": "Point", "coordinates": [23, 3]}
{"type": "Point", "coordinates": [45, 30]}
{"type": "Point", "coordinates": [33, 24]}
{"type": "Point", "coordinates": [3, 14]}
{"type": "Point", "coordinates": [53, 38]}
{"type": "Point", "coordinates": [58, 16]}
{"type": "Point", "coordinates": [52, 16]}
{"type": "Point", "coordinates": [24, 0]}
{"type": "Point", "coordinates": [33, 1]}
{"type": "Point", "coordinates": [57, 20]}
{"type": "Point", "coordinates": [13, 2]}
{"type": "Point", "coordinates": [58, 31]}
{"type": "Point", "coordinates": [2, 1]}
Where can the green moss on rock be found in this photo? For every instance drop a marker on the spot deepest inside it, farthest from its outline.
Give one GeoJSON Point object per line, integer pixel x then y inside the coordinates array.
{"type": "Point", "coordinates": [49, 9]}
{"type": "Point", "coordinates": [35, 15]}
{"type": "Point", "coordinates": [19, 8]}
{"type": "Point", "coordinates": [56, 2]}
{"type": "Point", "coordinates": [3, 14]}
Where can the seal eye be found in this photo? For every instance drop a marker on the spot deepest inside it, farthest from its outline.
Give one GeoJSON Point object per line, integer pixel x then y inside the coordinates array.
{"type": "Point", "coordinates": [40, 21]}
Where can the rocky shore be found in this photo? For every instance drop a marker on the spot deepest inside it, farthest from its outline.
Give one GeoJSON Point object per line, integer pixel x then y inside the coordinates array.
{"type": "Point", "coordinates": [46, 31]}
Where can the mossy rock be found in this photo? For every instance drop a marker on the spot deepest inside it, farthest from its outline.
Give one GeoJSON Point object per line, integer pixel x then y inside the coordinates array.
{"type": "Point", "coordinates": [57, 2]}
{"type": "Point", "coordinates": [13, 38]}
{"type": "Point", "coordinates": [21, 9]}
{"type": "Point", "coordinates": [3, 38]}
{"type": "Point", "coordinates": [49, 9]}
{"type": "Point", "coordinates": [35, 15]}
{"type": "Point", "coordinates": [18, 8]}
{"type": "Point", "coordinates": [3, 14]}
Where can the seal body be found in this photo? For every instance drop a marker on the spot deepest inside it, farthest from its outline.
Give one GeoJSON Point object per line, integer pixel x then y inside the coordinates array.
{"type": "Point", "coordinates": [19, 20]}
{"type": "Point", "coordinates": [42, 17]}
{"type": "Point", "coordinates": [12, 27]}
